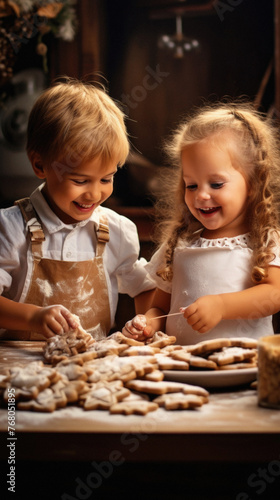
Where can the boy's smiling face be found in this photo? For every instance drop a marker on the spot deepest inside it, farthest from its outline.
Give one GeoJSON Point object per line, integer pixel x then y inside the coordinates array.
{"type": "Point", "coordinates": [75, 194]}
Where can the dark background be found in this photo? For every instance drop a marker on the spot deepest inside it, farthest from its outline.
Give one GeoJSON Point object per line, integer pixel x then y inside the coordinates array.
{"type": "Point", "coordinates": [117, 44]}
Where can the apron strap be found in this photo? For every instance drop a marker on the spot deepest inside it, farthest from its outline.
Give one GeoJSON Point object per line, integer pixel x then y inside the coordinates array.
{"type": "Point", "coordinates": [36, 232]}
{"type": "Point", "coordinates": [102, 235]}
{"type": "Point", "coordinates": [35, 229]}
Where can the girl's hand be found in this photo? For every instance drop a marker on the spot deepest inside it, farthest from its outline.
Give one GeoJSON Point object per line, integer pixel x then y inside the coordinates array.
{"type": "Point", "coordinates": [205, 313]}
{"type": "Point", "coordinates": [138, 328]}
{"type": "Point", "coordinates": [52, 320]}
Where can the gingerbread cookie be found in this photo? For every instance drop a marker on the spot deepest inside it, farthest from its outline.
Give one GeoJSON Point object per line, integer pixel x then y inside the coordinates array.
{"type": "Point", "coordinates": [180, 355]}
{"type": "Point", "coordinates": [238, 366]}
{"type": "Point", "coordinates": [57, 396]}
{"type": "Point", "coordinates": [202, 363]}
{"type": "Point", "coordinates": [73, 389]}
{"type": "Point", "coordinates": [141, 364]}
{"type": "Point", "coordinates": [164, 387]}
{"type": "Point", "coordinates": [140, 322]}
{"type": "Point", "coordinates": [46, 401]}
{"type": "Point", "coordinates": [230, 355]}
{"type": "Point", "coordinates": [169, 363]}
{"type": "Point", "coordinates": [160, 339]}
{"type": "Point", "coordinates": [122, 339]}
{"type": "Point", "coordinates": [106, 347]}
{"type": "Point", "coordinates": [133, 407]}
{"type": "Point", "coordinates": [155, 376]}
{"type": "Point", "coordinates": [144, 350]}
{"type": "Point", "coordinates": [74, 371]}
{"type": "Point", "coordinates": [179, 401]}
{"type": "Point", "coordinates": [207, 346]}
{"type": "Point", "coordinates": [68, 344]}
{"type": "Point", "coordinates": [28, 381]}
{"type": "Point", "coordinates": [79, 359]}
{"type": "Point", "coordinates": [103, 395]}
{"type": "Point", "coordinates": [111, 368]}
{"type": "Point", "coordinates": [246, 342]}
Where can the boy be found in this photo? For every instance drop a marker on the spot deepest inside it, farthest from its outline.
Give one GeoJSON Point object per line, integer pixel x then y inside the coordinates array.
{"type": "Point", "coordinates": [61, 252]}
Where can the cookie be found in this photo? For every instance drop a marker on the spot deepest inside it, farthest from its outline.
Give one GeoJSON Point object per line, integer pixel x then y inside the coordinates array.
{"type": "Point", "coordinates": [140, 322]}
{"type": "Point", "coordinates": [106, 347]}
{"type": "Point", "coordinates": [56, 396]}
{"type": "Point", "coordinates": [179, 401]}
{"type": "Point", "coordinates": [78, 359]}
{"type": "Point", "coordinates": [133, 407]}
{"type": "Point", "coordinates": [141, 364]}
{"type": "Point", "coordinates": [207, 346]}
{"type": "Point", "coordinates": [74, 371]}
{"type": "Point", "coordinates": [230, 355]}
{"type": "Point", "coordinates": [180, 355]}
{"type": "Point", "coordinates": [68, 344]}
{"type": "Point", "coordinates": [74, 389]}
{"type": "Point", "coordinates": [103, 395]}
{"type": "Point", "coordinates": [122, 339]}
{"type": "Point", "coordinates": [246, 342]}
{"type": "Point", "coordinates": [28, 381]}
{"type": "Point", "coordinates": [171, 348]}
{"type": "Point", "coordinates": [160, 339]}
{"type": "Point", "coordinates": [202, 363]}
{"type": "Point", "coordinates": [168, 363]}
{"type": "Point", "coordinates": [238, 366]}
{"type": "Point", "coordinates": [144, 350]}
{"type": "Point", "coordinates": [44, 402]}
{"type": "Point", "coordinates": [164, 387]}
{"type": "Point", "coordinates": [111, 368]}
{"type": "Point", "coordinates": [155, 376]}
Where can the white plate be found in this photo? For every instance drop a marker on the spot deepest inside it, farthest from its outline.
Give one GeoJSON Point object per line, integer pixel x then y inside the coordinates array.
{"type": "Point", "coordinates": [220, 378]}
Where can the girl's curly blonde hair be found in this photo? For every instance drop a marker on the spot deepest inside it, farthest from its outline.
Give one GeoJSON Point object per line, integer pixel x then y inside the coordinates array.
{"type": "Point", "coordinates": [256, 154]}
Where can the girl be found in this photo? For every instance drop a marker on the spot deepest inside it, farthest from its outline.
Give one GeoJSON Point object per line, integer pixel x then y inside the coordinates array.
{"type": "Point", "coordinates": [61, 252]}
{"type": "Point", "coordinates": [218, 261]}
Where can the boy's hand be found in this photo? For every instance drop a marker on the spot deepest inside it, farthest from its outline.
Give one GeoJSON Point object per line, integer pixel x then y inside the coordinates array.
{"type": "Point", "coordinates": [138, 328]}
{"type": "Point", "coordinates": [205, 313]}
{"type": "Point", "coordinates": [52, 320]}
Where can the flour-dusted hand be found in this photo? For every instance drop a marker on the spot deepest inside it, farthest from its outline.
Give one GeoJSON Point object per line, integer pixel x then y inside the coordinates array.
{"type": "Point", "coordinates": [138, 328]}
{"type": "Point", "coordinates": [205, 313]}
{"type": "Point", "coordinates": [52, 320]}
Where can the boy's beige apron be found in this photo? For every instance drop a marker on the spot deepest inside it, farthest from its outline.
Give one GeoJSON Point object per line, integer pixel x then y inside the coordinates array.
{"type": "Point", "coordinates": [79, 286]}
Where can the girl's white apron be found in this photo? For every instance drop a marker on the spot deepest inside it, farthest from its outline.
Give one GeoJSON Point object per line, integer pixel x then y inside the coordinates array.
{"type": "Point", "coordinates": [200, 271]}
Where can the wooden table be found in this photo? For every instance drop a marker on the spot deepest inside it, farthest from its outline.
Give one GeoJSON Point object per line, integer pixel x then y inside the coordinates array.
{"type": "Point", "coordinates": [230, 429]}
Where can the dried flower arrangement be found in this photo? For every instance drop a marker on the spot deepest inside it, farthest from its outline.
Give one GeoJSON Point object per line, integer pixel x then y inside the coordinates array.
{"type": "Point", "coordinates": [21, 20]}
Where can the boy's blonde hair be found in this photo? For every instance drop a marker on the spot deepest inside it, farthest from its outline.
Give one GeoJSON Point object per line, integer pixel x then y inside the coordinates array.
{"type": "Point", "coordinates": [253, 143]}
{"type": "Point", "coordinates": [75, 122]}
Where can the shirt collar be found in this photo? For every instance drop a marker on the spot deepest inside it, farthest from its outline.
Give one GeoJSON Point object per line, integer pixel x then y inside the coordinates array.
{"type": "Point", "coordinates": [50, 219]}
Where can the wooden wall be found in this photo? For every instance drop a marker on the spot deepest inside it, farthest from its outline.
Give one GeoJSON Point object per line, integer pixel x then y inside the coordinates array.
{"type": "Point", "coordinates": [119, 41]}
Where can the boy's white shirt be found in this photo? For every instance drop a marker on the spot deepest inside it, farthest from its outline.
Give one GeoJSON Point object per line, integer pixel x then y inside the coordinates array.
{"type": "Point", "coordinates": [125, 272]}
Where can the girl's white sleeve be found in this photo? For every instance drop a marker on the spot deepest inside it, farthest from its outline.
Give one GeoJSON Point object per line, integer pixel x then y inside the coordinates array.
{"type": "Point", "coordinates": [276, 260]}
{"type": "Point", "coordinates": [276, 251]}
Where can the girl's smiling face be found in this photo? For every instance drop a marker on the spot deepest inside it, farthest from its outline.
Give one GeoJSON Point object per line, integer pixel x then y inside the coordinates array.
{"type": "Point", "coordinates": [216, 193]}
{"type": "Point", "coordinates": [73, 194]}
